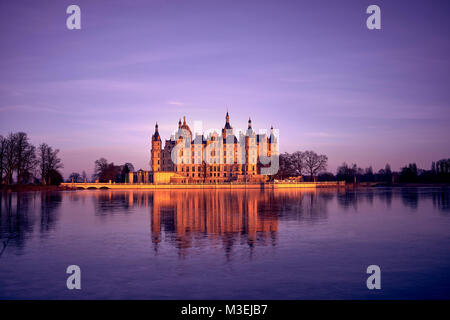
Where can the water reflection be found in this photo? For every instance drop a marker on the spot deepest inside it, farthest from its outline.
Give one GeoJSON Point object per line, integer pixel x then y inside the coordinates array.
{"type": "Point", "coordinates": [18, 216]}
{"type": "Point", "coordinates": [185, 218]}
{"type": "Point", "coordinates": [441, 199]}
{"type": "Point", "coordinates": [410, 197]}
{"type": "Point", "coordinates": [229, 217]}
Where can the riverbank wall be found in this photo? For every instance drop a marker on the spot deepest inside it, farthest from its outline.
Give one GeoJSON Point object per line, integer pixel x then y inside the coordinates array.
{"type": "Point", "coordinates": [268, 186]}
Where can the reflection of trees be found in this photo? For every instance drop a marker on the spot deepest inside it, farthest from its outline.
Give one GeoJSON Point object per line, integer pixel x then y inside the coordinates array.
{"type": "Point", "coordinates": [310, 205]}
{"type": "Point", "coordinates": [410, 197]}
{"type": "Point", "coordinates": [50, 202]}
{"type": "Point", "coordinates": [15, 222]}
{"type": "Point", "coordinates": [110, 202]}
{"type": "Point", "coordinates": [386, 196]}
{"type": "Point", "coordinates": [441, 199]}
{"type": "Point", "coordinates": [17, 216]}
{"type": "Point", "coordinates": [347, 199]}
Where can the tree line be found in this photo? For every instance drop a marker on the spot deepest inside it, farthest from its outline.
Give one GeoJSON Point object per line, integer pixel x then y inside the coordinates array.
{"type": "Point", "coordinates": [312, 167]}
{"type": "Point", "coordinates": [105, 171]}
{"type": "Point", "coordinates": [301, 163]}
{"type": "Point", "coordinates": [439, 173]}
{"type": "Point", "coordinates": [22, 163]}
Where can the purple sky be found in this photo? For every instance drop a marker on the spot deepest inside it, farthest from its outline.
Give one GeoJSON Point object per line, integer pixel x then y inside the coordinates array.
{"type": "Point", "coordinates": [310, 68]}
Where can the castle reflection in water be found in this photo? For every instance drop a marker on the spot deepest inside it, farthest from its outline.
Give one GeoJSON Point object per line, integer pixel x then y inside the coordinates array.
{"type": "Point", "coordinates": [226, 216]}
{"type": "Point", "coordinates": [185, 218]}
{"type": "Point", "coordinates": [222, 217]}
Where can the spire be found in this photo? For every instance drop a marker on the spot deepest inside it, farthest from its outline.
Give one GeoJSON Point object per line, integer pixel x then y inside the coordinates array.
{"type": "Point", "coordinates": [227, 122]}
{"type": "Point", "coordinates": [155, 136]}
{"type": "Point", "coordinates": [249, 123]}
{"type": "Point", "coordinates": [184, 120]}
{"type": "Point", "coordinates": [272, 136]}
{"type": "Point", "coordinates": [179, 123]}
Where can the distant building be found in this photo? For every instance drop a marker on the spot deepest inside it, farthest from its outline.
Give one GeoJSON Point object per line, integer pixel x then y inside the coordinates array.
{"type": "Point", "coordinates": [212, 159]}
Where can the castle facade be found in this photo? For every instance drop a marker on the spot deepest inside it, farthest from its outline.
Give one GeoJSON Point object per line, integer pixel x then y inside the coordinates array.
{"type": "Point", "coordinates": [216, 158]}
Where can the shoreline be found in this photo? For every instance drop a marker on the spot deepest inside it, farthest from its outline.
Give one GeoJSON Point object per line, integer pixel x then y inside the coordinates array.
{"type": "Point", "coordinates": [263, 186]}
{"type": "Point", "coordinates": [25, 188]}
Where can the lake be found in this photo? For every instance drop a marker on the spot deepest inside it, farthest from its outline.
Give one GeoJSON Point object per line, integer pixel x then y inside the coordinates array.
{"type": "Point", "coordinates": [226, 244]}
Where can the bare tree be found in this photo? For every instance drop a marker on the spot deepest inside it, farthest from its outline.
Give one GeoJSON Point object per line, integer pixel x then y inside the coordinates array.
{"type": "Point", "coordinates": [100, 167]}
{"type": "Point", "coordinates": [2, 157]}
{"type": "Point", "coordinates": [49, 163]}
{"type": "Point", "coordinates": [84, 176]}
{"type": "Point", "coordinates": [42, 159]}
{"type": "Point", "coordinates": [25, 154]}
{"type": "Point", "coordinates": [74, 177]}
{"type": "Point", "coordinates": [315, 163]}
{"type": "Point", "coordinates": [10, 161]}
{"type": "Point", "coordinates": [298, 163]}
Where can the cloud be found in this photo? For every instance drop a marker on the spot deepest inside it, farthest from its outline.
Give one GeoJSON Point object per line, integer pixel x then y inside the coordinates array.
{"type": "Point", "coordinates": [176, 103]}
{"type": "Point", "coordinates": [320, 134]}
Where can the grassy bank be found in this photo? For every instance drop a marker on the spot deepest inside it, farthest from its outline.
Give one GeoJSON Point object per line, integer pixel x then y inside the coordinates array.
{"type": "Point", "coordinates": [23, 188]}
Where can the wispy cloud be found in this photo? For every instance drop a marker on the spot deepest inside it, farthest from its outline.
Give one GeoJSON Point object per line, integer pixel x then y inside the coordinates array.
{"type": "Point", "coordinates": [320, 134]}
{"type": "Point", "coordinates": [176, 103]}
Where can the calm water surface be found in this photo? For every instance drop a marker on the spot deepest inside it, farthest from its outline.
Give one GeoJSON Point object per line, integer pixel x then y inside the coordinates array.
{"type": "Point", "coordinates": [286, 244]}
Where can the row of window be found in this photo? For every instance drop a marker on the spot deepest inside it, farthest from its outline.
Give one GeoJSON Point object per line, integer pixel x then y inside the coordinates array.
{"type": "Point", "coordinates": [215, 169]}
{"type": "Point", "coordinates": [193, 175]}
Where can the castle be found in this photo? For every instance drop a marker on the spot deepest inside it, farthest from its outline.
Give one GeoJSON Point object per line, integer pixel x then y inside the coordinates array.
{"type": "Point", "coordinates": [212, 159]}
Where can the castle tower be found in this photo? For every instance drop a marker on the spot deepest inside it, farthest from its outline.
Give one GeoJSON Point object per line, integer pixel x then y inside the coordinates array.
{"type": "Point", "coordinates": [227, 126]}
{"type": "Point", "coordinates": [250, 150]}
{"type": "Point", "coordinates": [156, 151]}
{"type": "Point", "coordinates": [272, 147]}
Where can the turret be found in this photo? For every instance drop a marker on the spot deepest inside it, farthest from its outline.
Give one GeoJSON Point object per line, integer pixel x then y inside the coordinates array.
{"type": "Point", "coordinates": [227, 126]}
{"type": "Point", "coordinates": [155, 153]}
